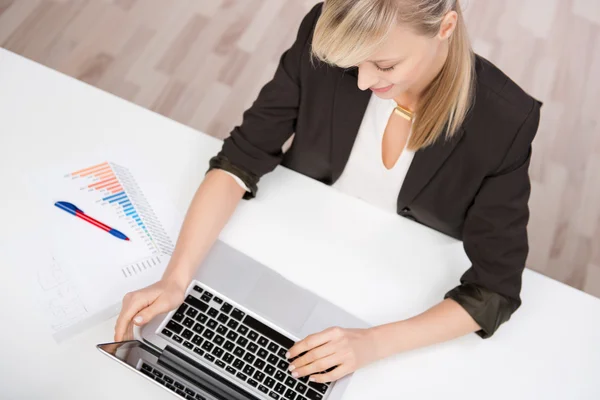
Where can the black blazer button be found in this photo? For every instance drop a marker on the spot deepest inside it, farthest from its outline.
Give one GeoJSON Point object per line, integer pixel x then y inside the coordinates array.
{"type": "Point", "coordinates": [406, 210]}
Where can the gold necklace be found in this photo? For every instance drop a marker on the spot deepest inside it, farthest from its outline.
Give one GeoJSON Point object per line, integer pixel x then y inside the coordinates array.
{"type": "Point", "coordinates": [403, 112]}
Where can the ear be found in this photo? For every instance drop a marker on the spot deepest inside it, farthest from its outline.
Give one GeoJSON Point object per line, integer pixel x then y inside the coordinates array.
{"type": "Point", "coordinates": [448, 25]}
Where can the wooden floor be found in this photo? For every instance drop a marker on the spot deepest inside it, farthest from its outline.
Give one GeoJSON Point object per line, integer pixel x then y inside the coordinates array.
{"type": "Point", "coordinates": [202, 62]}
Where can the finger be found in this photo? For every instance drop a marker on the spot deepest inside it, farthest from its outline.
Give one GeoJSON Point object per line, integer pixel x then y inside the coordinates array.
{"type": "Point", "coordinates": [317, 366]}
{"type": "Point", "coordinates": [337, 373]}
{"type": "Point", "coordinates": [144, 316]}
{"type": "Point", "coordinates": [131, 306]}
{"type": "Point", "coordinates": [128, 332]}
{"type": "Point", "coordinates": [312, 341]}
{"type": "Point", "coordinates": [313, 355]}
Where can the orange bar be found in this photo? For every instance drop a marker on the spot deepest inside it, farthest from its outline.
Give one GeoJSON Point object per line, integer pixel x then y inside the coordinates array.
{"type": "Point", "coordinates": [107, 185]}
{"type": "Point", "coordinates": [103, 183]}
{"type": "Point", "coordinates": [112, 187]}
{"type": "Point", "coordinates": [117, 189]}
{"type": "Point", "coordinates": [103, 175]}
{"type": "Point", "coordinates": [101, 170]}
{"type": "Point", "coordinates": [82, 171]}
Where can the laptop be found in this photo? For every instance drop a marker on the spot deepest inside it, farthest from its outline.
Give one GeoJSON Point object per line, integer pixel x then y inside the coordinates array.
{"type": "Point", "coordinates": [228, 339]}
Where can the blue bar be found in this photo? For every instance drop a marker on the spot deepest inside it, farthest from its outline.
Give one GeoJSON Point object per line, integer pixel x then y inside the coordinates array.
{"type": "Point", "coordinates": [118, 199]}
{"type": "Point", "coordinates": [131, 213]}
{"type": "Point", "coordinates": [127, 209]}
{"type": "Point", "coordinates": [114, 195]}
{"type": "Point", "coordinates": [137, 218]}
{"type": "Point", "coordinates": [125, 203]}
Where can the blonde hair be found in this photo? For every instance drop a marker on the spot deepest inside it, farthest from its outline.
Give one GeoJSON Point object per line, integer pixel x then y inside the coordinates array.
{"type": "Point", "coordinates": [350, 31]}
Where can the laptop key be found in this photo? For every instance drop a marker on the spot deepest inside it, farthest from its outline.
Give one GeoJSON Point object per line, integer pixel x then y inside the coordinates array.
{"type": "Point", "coordinates": [157, 373]}
{"type": "Point", "coordinates": [198, 328]}
{"type": "Point", "coordinates": [263, 341]}
{"type": "Point", "coordinates": [301, 388]}
{"type": "Point", "coordinates": [178, 339]}
{"type": "Point", "coordinates": [262, 353]}
{"type": "Point", "coordinates": [168, 379]}
{"type": "Point", "coordinates": [188, 345]}
{"type": "Point", "coordinates": [239, 351]}
{"type": "Point", "coordinates": [237, 314]}
{"type": "Point", "coordinates": [239, 364]}
{"type": "Point", "coordinates": [180, 392]}
{"type": "Point", "coordinates": [220, 363]}
{"type": "Point", "coordinates": [269, 332]}
{"type": "Point", "coordinates": [249, 358]}
{"type": "Point", "coordinates": [209, 357]}
{"type": "Point", "coordinates": [213, 312]}
{"type": "Point", "coordinates": [249, 369]}
{"type": "Point", "coordinates": [270, 382]}
{"type": "Point", "coordinates": [273, 359]}
{"type": "Point", "coordinates": [208, 334]}
{"type": "Point", "coordinates": [253, 335]}
{"type": "Point", "coordinates": [280, 376]}
{"type": "Point", "coordinates": [270, 370]}
{"type": "Point", "coordinates": [228, 357]}
{"type": "Point", "coordinates": [290, 395]}
{"type": "Point", "coordinates": [187, 334]}
{"type": "Point", "coordinates": [259, 376]}
{"type": "Point", "coordinates": [312, 395]}
{"type": "Point", "coordinates": [192, 312]}
{"type": "Point", "coordinates": [258, 363]}
{"type": "Point", "coordinates": [218, 352]}
{"type": "Point", "coordinates": [279, 388]}
{"type": "Point", "coordinates": [274, 348]}
{"type": "Point", "coordinates": [304, 379]}
{"type": "Point", "coordinates": [283, 365]}
{"type": "Point", "coordinates": [198, 350]}
{"type": "Point", "coordinates": [241, 376]}
{"type": "Point", "coordinates": [273, 395]}
{"type": "Point", "coordinates": [301, 398]}
{"type": "Point", "coordinates": [212, 324]}
{"type": "Point", "coordinates": [229, 345]}
{"type": "Point", "coordinates": [202, 318]}
{"type": "Point", "coordinates": [190, 392]}
{"type": "Point", "coordinates": [252, 347]}
{"type": "Point", "coordinates": [233, 324]}
{"type": "Point", "coordinates": [197, 340]}
{"type": "Point", "coordinates": [198, 289]}
{"type": "Point", "coordinates": [319, 387]}
{"type": "Point", "coordinates": [206, 296]}
{"type": "Point", "coordinates": [188, 322]}
{"type": "Point", "coordinates": [207, 345]}
{"type": "Point", "coordinates": [191, 300]}
{"type": "Point", "coordinates": [179, 385]}
{"type": "Point", "coordinates": [226, 308]}
{"type": "Point", "coordinates": [222, 330]}
{"type": "Point", "coordinates": [281, 353]}
{"type": "Point", "coordinates": [219, 340]}
{"type": "Point", "coordinates": [217, 300]}
{"type": "Point", "coordinates": [223, 318]}
{"type": "Point", "coordinates": [167, 332]}
{"type": "Point", "coordinates": [230, 370]}
{"type": "Point", "coordinates": [242, 341]}
{"type": "Point", "coordinates": [243, 329]}
{"type": "Point", "coordinates": [263, 389]}
{"type": "Point", "coordinates": [174, 326]}
{"type": "Point", "coordinates": [291, 382]}
{"type": "Point", "coordinates": [232, 335]}
{"type": "Point", "coordinates": [146, 367]}
{"type": "Point", "coordinates": [171, 387]}
{"type": "Point", "coordinates": [252, 382]}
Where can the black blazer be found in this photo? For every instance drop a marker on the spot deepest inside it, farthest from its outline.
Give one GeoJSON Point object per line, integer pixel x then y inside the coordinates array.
{"type": "Point", "coordinates": [474, 187]}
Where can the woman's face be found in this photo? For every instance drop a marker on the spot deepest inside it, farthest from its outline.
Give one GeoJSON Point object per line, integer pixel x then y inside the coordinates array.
{"type": "Point", "coordinates": [406, 63]}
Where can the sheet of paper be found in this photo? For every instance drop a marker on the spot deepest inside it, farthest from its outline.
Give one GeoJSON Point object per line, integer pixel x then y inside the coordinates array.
{"type": "Point", "coordinates": [81, 272]}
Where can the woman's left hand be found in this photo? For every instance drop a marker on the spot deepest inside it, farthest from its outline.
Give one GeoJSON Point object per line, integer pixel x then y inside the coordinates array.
{"type": "Point", "coordinates": [348, 349]}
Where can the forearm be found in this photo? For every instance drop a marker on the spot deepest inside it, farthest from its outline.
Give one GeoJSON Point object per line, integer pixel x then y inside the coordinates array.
{"type": "Point", "coordinates": [213, 204]}
{"type": "Point", "coordinates": [445, 321]}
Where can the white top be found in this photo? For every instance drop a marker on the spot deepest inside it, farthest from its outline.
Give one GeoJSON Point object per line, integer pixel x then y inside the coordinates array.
{"type": "Point", "coordinates": [365, 175]}
{"type": "Point", "coordinates": [399, 267]}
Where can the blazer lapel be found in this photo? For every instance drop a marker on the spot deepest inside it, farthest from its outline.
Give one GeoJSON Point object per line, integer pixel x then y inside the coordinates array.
{"type": "Point", "coordinates": [349, 106]}
{"type": "Point", "coordinates": [425, 164]}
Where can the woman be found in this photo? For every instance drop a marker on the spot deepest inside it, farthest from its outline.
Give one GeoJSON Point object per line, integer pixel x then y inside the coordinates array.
{"type": "Point", "coordinates": [388, 103]}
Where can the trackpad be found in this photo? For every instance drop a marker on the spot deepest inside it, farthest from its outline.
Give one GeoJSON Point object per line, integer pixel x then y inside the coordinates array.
{"type": "Point", "coordinates": [281, 302]}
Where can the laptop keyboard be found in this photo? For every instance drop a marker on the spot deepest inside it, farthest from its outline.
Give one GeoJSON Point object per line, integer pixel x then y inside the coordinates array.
{"type": "Point", "coordinates": [239, 344]}
{"type": "Point", "coordinates": [170, 383]}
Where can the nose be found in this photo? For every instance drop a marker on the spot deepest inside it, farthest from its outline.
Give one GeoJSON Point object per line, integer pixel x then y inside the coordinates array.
{"type": "Point", "coordinates": [366, 79]}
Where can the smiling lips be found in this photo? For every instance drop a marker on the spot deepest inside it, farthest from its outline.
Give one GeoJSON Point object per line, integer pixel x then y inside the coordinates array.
{"type": "Point", "coordinates": [382, 90]}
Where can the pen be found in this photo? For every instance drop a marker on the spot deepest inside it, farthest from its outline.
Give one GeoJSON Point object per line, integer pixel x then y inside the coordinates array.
{"type": "Point", "coordinates": [73, 210]}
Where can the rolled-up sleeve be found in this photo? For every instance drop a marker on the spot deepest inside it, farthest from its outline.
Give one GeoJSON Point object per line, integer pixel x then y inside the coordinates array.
{"type": "Point", "coordinates": [495, 236]}
{"type": "Point", "coordinates": [254, 148]}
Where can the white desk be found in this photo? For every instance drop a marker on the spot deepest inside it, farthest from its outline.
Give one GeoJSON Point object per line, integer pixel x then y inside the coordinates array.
{"type": "Point", "coordinates": [376, 265]}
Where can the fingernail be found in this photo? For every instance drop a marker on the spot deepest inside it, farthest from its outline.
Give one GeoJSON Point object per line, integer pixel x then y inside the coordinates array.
{"type": "Point", "coordinates": [295, 374]}
{"type": "Point", "coordinates": [292, 367]}
{"type": "Point", "coordinates": [138, 319]}
{"type": "Point", "coordinates": [311, 379]}
{"type": "Point", "coordinates": [287, 355]}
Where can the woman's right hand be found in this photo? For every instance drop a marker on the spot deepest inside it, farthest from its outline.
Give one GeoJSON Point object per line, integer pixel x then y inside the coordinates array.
{"type": "Point", "coordinates": [141, 306]}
